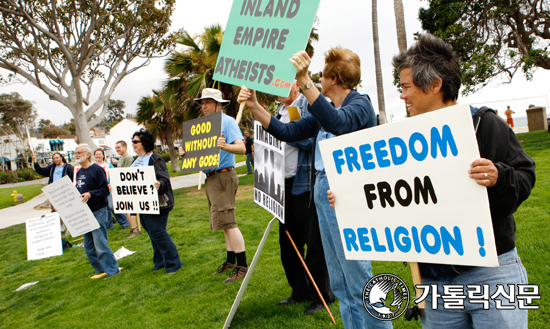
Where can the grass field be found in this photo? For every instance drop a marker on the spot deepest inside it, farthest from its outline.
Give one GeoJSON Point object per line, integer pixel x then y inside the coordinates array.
{"type": "Point", "coordinates": [28, 191]}
{"type": "Point", "coordinates": [65, 297]}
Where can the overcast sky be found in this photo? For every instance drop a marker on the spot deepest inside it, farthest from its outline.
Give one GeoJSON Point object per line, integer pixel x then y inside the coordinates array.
{"type": "Point", "coordinates": [346, 23]}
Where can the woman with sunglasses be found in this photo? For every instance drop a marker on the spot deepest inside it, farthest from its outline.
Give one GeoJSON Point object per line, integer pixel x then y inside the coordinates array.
{"type": "Point", "coordinates": [165, 253]}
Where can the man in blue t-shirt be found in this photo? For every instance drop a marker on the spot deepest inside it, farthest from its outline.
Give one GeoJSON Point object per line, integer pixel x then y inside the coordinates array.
{"type": "Point", "coordinates": [221, 186]}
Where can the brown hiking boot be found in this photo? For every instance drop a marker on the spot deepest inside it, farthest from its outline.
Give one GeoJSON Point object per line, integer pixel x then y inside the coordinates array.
{"type": "Point", "coordinates": [238, 273]}
{"type": "Point", "coordinates": [224, 267]}
{"type": "Point", "coordinates": [133, 233]}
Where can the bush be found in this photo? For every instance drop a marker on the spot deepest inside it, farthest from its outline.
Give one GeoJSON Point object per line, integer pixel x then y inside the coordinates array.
{"type": "Point", "coordinates": [26, 174]}
{"type": "Point", "coordinates": [6, 177]}
{"type": "Point", "coordinates": [165, 156]}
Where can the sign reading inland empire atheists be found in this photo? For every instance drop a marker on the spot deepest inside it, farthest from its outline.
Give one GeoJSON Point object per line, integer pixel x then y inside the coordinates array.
{"type": "Point", "coordinates": [260, 37]}
{"type": "Point", "coordinates": [403, 192]}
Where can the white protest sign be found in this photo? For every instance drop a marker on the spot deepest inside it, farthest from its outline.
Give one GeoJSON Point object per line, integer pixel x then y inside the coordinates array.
{"type": "Point", "coordinates": [43, 237]}
{"type": "Point", "coordinates": [134, 191]}
{"type": "Point", "coordinates": [66, 199]}
{"type": "Point", "coordinates": [403, 192]}
{"type": "Point", "coordinates": [269, 172]}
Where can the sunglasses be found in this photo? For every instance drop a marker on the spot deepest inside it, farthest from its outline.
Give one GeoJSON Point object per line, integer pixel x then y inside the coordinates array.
{"type": "Point", "coordinates": [135, 141]}
{"type": "Point", "coordinates": [320, 74]}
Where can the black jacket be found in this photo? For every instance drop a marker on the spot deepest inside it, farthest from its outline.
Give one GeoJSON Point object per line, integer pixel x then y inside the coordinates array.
{"type": "Point", "coordinates": [49, 170]}
{"type": "Point", "coordinates": [516, 178]}
{"type": "Point", "coordinates": [516, 174]}
{"type": "Point", "coordinates": [166, 196]}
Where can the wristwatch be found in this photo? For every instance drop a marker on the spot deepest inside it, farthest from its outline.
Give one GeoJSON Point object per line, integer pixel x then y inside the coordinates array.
{"type": "Point", "coordinates": [307, 86]}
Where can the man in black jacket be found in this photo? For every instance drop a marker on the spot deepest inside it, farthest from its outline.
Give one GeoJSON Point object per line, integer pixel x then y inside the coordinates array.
{"type": "Point", "coordinates": [430, 77]}
{"type": "Point", "coordinates": [91, 182]}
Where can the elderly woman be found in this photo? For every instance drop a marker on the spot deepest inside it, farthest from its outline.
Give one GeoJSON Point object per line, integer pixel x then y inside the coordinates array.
{"type": "Point", "coordinates": [165, 253]}
{"type": "Point", "coordinates": [349, 111]}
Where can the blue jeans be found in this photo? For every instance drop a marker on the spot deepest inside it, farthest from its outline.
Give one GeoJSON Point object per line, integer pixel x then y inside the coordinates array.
{"type": "Point", "coordinates": [97, 247]}
{"type": "Point", "coordinates": [121, 219]}
{"type": "Point", "coordinates": [165, 253]}
{"type": "Point", "coordinates": [347, 277]}
{"type": "Point", "coordinates": [249, 163]}
{"type": "Point", "coordinates": [510, 271]}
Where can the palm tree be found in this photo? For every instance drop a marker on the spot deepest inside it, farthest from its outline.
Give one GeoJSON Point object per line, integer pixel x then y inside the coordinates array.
{"type": "Point", "coordinates": [161, 114]}
{"type": "Point", "coordinates": [400, 29]}
{"type": "Point", "coordinates": [377, 65]}
{"type": "Point", "coordinates": [192, 69]}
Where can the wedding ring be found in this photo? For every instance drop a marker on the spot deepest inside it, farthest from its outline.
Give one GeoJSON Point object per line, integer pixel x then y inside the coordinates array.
{"type": "Point", "coordinates": [298, 61]}
{"type": "Point", "coordinates": [485, 175]}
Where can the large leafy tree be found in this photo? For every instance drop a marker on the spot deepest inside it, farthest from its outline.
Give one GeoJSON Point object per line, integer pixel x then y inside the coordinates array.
{"type": "Point", "coordinates": [17, 115]}
{"type": "Point", "coordinates": [49, 130]}
{"type": "Point", "coordinates": [492, 38]}
{"type": "Point", "coordinates": [64, 46]}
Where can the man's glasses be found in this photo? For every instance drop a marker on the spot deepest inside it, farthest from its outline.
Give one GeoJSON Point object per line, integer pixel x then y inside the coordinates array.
{"type": "Point", "coordinates": [135, 141]}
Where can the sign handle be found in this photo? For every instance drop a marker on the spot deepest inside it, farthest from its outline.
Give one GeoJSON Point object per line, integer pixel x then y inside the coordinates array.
{"type": "Point", "coordinates": [240, 114]}
{"type": "Point", "coordinates": [310, 277]}
{"type": "Point", "coordinates": [415, 271]}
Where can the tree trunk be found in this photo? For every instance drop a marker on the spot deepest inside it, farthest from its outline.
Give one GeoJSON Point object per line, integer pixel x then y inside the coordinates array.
{"type": "Point", "coordinates": [401, 30]}
{"type": "Point", "coordinates": [82, 129]}
{"type": "Point", "coordinates": [172, 150]}
{"type": "Point", "coordinates": [378, 66]}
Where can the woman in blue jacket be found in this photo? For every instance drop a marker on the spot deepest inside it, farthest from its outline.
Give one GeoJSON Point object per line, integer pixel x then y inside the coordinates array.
{"type": "Point", "coordinates": [349, 111]}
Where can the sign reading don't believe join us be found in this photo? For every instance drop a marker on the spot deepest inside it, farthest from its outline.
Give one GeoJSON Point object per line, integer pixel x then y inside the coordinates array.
{"type": "Point", "coordinates": [133, 190]}
{"type": "Point", "coordinates": [403, 192]}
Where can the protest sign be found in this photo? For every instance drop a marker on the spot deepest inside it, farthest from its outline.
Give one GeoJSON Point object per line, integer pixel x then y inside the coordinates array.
{"type": "Point", "coordinates": [269, 172]}
{"type": "Point", "coordinates": [258, 41]}
{"type": "Point", "coordinates": [66, 199]}
{"type": "Point", "coordinates": [200, 137]}
{"type": "Point", "coordinates": [43, 237]}
{"type": "Point", "coordinates": [403, 192]}
{"type": "Point", "coordinates": [134, 192]}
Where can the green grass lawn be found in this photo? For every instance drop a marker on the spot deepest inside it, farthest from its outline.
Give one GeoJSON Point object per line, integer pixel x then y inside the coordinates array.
{"type": "Point", "coordinates": [65, 297]}
{"type": "Point", "coordinates": [28, 191]}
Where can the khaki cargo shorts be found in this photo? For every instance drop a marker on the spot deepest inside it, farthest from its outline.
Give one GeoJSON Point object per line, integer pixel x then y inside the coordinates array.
{"type": "Point", "coordinates": [221, 189]}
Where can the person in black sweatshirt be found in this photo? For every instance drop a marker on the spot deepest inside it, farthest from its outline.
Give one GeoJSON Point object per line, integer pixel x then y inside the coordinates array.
{"type": "Point", "coordinates": [91, 182]}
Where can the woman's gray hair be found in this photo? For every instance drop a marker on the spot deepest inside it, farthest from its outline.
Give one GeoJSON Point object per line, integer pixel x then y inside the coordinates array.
{"type": "Point", "coordinates": [431, 59]}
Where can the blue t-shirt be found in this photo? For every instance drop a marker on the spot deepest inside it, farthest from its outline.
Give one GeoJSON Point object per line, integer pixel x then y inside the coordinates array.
{"type": "Point", "coordinates": [142, 161]}
{"type": "Point", "coordinates": [58, 172]}
{"type": "Point", "coordinates": [232, 132]}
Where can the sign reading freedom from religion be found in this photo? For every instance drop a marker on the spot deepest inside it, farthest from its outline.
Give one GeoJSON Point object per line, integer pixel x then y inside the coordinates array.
{"type": "Point", "coordinates": [269, 172]}
{"type": "Point", "coordinates": [133, 190]}
{"type": "Point", "coordinates": [66, 199]}
{"type": "Point", "coordinates": [200, 138]}
{"type": "Point", "coordinates": [403, 192]}
{"type": "Point", "coordinates": [258, 41]}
